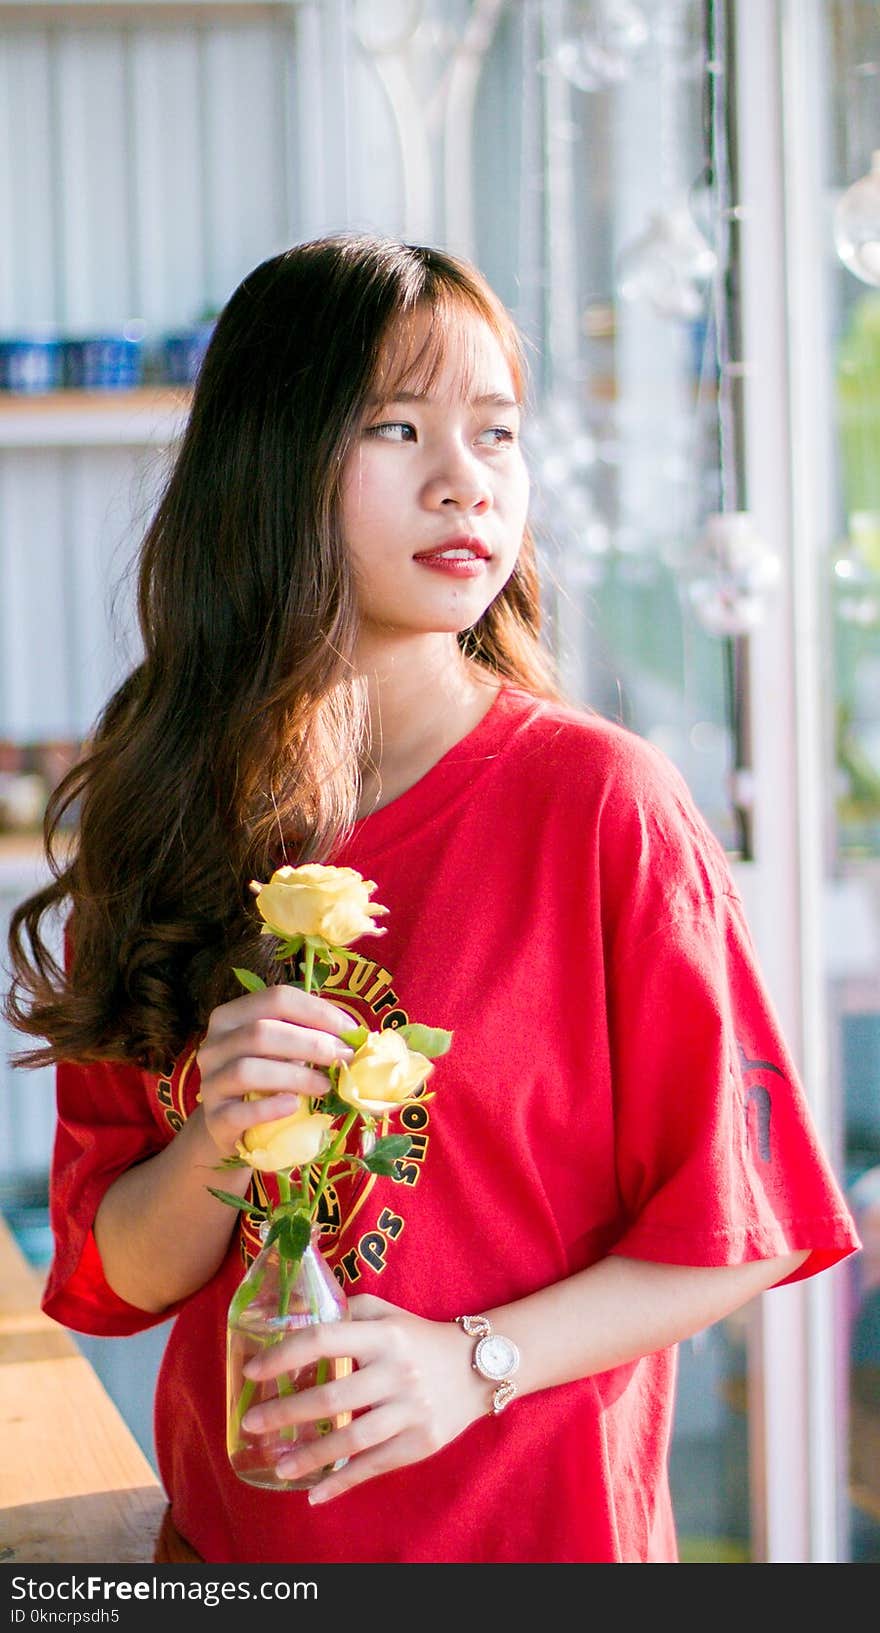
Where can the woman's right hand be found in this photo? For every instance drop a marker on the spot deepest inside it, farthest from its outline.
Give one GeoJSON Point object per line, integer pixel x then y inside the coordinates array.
{"type": "Point", "coordinates": [271, 1043]}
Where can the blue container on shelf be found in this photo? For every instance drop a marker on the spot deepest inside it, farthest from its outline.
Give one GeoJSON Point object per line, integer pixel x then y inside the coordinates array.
{"type": "Point", "coordinates": [182, 353]}
{"type": "Point", "coordinates": [105, 362]}
{"type": "Point", "coordinates": [31, 363]}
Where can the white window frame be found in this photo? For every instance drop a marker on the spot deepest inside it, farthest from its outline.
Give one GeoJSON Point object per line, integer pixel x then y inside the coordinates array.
{"type": "Point", "coordinates": [799, 1442]}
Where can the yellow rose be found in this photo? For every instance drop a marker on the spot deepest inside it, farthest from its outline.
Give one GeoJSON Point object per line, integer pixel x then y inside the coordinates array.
{"type": "Point", "coordinates": [333, 903]}
{"type": "Point", "coordinates": [383, 1073]}
{"type": "Point", "coordinates": [285, 1142]}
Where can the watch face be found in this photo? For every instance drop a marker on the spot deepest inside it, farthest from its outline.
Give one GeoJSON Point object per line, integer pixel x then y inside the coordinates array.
{"type": "Point", "coordinates": [496, 1357]}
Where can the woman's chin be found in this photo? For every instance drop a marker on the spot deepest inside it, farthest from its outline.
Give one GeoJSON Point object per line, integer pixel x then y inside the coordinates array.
{"type": "Point", "coordinates": [451, 621]}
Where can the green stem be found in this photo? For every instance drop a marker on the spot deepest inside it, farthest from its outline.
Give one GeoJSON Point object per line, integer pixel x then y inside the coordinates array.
{"type": "Point", "coordinates": [244, 1296]}
{"type": "Point", "coordinates": [246, 1395]}
{"type": "Point", "coordinates": [304, 1187]}
{"type": "Point", "coordinates": [287, 1273]}
{"type": "Point", "coordinates": [323, 1425]}
{"type": "Point", "coordinates": [330, 1156]}
{"type": "Point", "coordinates": [289, 1268]}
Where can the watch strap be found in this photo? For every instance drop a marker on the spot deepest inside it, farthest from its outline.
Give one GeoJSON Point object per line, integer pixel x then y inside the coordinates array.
{"type": "Point", "coordinates": [476, 1326]}
{"type": "Point", "coordinates": [479, 1327]}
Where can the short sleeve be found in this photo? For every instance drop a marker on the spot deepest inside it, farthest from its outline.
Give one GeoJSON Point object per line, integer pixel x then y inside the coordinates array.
{"type": "Point", "coordinates": [104, 1126]}
{"type": "Point", "coordinates": [718, 1157]}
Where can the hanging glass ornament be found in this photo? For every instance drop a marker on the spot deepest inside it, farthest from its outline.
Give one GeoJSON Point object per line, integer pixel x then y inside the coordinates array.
{"type": "Point", "coordinates": [730, 574]}
{"type": "Point", "coordinates": [604, 47]}
{"type": "Point", "coordinates": [561, 451]}
{"type": "Point", "coordinates": [558, 443]}
{"type": "Point", "coordinates": [585, 541]}
{"type": "Point", "coordinates": [857, 225]}
{"type": "Point", "coordinates": [856, 572]}
{"type": "Point", "coordinates": [668, 265]}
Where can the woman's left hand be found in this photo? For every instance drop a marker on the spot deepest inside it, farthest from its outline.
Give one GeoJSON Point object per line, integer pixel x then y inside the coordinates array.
{"type": "Point", "coordinates": [413, 1388]}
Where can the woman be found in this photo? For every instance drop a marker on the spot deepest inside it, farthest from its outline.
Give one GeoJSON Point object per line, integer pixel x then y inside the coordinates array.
{"type": "Point", "coordinates": [339, 605]}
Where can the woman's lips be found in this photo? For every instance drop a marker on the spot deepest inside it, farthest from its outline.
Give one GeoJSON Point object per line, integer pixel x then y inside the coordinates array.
{"type": "Point", "coordinates": [463, 556]}
{"type": "Point", "coordinates": [457, 566]}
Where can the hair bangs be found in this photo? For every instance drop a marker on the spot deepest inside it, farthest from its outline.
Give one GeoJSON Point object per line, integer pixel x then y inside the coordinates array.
{"type": "Point", "coordinates": [414, 354]}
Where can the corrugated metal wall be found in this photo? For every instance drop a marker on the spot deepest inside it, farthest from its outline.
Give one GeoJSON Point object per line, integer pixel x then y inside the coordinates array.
{"type": "Point", "coordinates": [145, 160]}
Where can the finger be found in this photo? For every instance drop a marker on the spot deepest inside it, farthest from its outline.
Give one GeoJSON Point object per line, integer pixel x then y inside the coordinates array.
{"type": "Point", "coordinates": [250, 1075]}
{"type": "Point", "coordinates": [393, 1453]}
{"type": "Point", "coordinates": [359, 1341]}
{"type": "Point", "coordinates": [282, 1003]}
{"type": "Point", "coordinates": [366, 1387]}
{"type": "Point", "coordinates": [358, 1439]}
{"type": "Point", "coordinates": [238, 1115]}
{"type": "Point", "coordinates": [272, 1039]}
{"type": "Point", "coordinates": [227, 1120]}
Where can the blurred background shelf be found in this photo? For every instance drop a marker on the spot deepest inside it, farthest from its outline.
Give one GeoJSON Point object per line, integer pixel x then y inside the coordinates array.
{"type": "Point", "coordinates": [79, 419]}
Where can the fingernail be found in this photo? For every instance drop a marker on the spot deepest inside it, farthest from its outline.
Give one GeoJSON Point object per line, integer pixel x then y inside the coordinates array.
{"type": "Point", "coordinates": [316, 1496]}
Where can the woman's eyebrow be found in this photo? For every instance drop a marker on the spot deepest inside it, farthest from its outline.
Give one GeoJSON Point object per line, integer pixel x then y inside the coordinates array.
{"type": "Point", "coordinates": [498, 399]}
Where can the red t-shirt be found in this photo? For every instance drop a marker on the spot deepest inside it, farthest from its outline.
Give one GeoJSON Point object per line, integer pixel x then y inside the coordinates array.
{"type": "Point", "coordinates": [617, 1082]}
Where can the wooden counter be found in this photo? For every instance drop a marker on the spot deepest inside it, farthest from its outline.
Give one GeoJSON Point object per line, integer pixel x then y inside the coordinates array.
{"type": "Point", "coordinates": [74, 1484]}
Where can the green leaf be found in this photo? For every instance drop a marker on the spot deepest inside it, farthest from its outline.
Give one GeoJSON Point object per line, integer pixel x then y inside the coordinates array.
{"type": "Point", "coordinates": [426, 1040]}
{"type": "Point", "coordinates": [250, 982]}
{"type": "Point", "coordinates": [289, 1210]}
{"type": "Point", "coordinates": [397, 1144]}
{"type": "Point", "coordinates": [287, 946]}
{"type": "Point", "coordinates": [240, 1202]}
{"type": "Point", "coordinates": [357, 1037]}
{"type": "Point", "coordinates": [246, 1291]}
{"type": "Point", "coordinates": [385, 1153]}
{"type": "Point", "coordinates": [293, 1235]}
{"type": "Point", "coordinates": [331, 1104]}
{"type": "Point", "coordinates": [320, 972]}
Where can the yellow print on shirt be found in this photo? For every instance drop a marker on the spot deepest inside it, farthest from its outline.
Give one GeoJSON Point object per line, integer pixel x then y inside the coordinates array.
{"type": "Point", "coordinates": [365, 990]}
{"type": "Point", "coordinates": [171, 1094]}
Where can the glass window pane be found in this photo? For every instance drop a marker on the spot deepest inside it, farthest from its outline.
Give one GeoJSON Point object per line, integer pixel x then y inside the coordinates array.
{"type": "Point", "coordinates": [633, 445]}
{"type": "Point", "coordinates": [852, 587]}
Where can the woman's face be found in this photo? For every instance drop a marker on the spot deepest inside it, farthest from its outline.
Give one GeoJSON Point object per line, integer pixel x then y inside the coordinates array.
{"type": "Point", "coordinates": [435, 491]}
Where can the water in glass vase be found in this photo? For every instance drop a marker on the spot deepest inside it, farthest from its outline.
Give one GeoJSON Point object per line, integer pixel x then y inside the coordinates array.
{"type": "Point", "coordinates": [276, 1298]}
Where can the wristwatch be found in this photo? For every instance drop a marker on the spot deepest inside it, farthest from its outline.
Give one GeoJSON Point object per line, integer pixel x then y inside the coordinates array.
{"type": "Point", "coordinates": [495, 1358]}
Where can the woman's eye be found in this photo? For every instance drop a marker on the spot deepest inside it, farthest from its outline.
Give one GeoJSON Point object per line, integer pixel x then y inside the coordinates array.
{"type": "Point", "coordinates": [386, 431]}
{"type": "Point", "coordinates": [402, 431]}
{"type": "Point", "coordinates": [502, 433]}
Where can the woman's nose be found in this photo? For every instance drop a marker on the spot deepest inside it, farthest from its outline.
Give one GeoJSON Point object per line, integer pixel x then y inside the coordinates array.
{"type": "Point", "coordinates": [459, 480]}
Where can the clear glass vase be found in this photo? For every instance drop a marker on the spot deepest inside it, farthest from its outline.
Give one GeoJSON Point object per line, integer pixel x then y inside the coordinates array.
{"type": "Point", "coordinates": [276, 1297]}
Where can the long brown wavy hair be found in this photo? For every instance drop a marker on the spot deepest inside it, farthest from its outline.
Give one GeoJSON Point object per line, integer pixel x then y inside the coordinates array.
{"type": "Point", "coordinates": [244, 724]}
